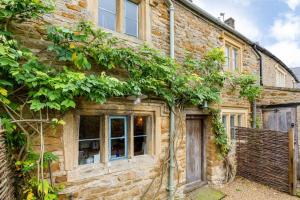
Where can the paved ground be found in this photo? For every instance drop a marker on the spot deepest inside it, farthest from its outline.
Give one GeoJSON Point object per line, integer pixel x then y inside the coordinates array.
{"type": "Point", "coordinates": [242, 189]}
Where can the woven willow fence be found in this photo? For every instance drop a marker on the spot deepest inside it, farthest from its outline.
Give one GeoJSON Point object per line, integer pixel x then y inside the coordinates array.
{"type": "Point", "coordinates": [6, 183]}
{"type": "Point", "coordinates": [266, 157]}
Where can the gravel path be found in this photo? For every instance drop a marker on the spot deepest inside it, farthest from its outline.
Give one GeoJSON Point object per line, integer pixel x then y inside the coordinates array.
{"type": "Point", "coordinates": [242, 189]}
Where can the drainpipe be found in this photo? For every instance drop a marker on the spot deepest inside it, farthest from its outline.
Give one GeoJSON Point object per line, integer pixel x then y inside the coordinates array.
{"type": "Point", "coordinates": [171, 187]}
{"type": "Point", "coordinates": [254, 46]}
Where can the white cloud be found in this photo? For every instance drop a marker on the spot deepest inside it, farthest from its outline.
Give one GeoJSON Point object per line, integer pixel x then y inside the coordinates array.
{"type": "Point", "coordinates": [293, 4]}
{"type": "Point", "coordinates": [236, 9]}
{"type": "Point", "coordinates": [287, 51]}
{"type": "Point", "coordinates": [286, 34]}
{"type": "Point", "coordinates": [287, 28]}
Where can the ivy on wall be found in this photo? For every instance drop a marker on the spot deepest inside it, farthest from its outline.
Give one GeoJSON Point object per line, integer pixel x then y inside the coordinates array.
{"type": "Point", "coordinates": [93, 64]}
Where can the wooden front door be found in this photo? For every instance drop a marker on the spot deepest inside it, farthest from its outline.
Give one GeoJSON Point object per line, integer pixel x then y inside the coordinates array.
{"type": "Point", "coordinates": [194, 149]}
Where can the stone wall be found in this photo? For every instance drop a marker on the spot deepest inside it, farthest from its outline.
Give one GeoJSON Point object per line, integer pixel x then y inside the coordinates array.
{"type": "Point", "coordinates": [269, 73]}
{"type": "Point", "coordinates": [193, 34]}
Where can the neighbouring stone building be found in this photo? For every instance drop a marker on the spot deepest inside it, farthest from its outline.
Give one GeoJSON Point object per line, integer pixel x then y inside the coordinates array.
{"type": "Point", "coordinates": [95, 136]}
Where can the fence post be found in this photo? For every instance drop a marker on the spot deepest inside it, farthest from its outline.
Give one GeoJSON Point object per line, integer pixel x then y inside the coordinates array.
{"type": "Point", "coordinates": [292, 163]}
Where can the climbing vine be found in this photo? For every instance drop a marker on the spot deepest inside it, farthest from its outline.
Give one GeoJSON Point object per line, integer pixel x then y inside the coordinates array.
{"type": "Point", "coordinates": [86, 62]}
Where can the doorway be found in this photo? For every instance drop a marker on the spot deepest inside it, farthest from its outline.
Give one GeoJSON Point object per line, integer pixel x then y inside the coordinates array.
{"type": "Point", "coordinates": [195, 151]}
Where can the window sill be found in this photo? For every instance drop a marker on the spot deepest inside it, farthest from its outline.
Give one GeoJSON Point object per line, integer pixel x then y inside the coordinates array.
{"type": "Point", "coordinates": [90, 171]}
{"type": "Point", "coordinates": [124, 36]}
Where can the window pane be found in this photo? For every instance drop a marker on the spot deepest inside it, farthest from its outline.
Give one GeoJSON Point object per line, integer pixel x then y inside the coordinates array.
{"type": "Point", "coordinates": [89, 152]}
{"type": "Point", "coordinates": [140, 135]}
{"type": "Point", "coordinates": [140, 125]}
{"type": "Point", "coordinates": [227, 61]}
{"type": "Point", "coordinates": [117, 128]}
{"type": "Point", "coordinates": [131, 18]}
{"type": "Point", "coordinates": [140, 145]}
{"type": "Point", "coordinates": [131, 10]}
{"type": "Point", "coordinates": [89, 142]}
{"type": "Point", "coordinates": [107, 20]}
{"type": "Point", "coordinates": [131, 27]}
{"type": "Point", "coordinates": [117, 148]}
{"type": "Point", "coordinates": [109, 5]}
{"type": "Point", "coordinates": [89, 127]}
{"type": "Point", "coordinates": [224, 121]}
{"type": "Point", "coordinates": [232, 129]}
{"type": "Point", "coordinates": [235, 58]}
{"type": "Point", "coordinates": [240, 120]}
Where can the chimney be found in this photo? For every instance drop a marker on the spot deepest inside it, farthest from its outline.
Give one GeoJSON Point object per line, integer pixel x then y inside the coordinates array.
{"type": "Point", "coordinates": [230, 22]}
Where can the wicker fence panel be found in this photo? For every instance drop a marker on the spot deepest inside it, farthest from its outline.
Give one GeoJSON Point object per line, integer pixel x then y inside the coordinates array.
{"type": "Point", "coordinates": [6, 180]}
{"type": "Point", "coordinates": [263, 156]}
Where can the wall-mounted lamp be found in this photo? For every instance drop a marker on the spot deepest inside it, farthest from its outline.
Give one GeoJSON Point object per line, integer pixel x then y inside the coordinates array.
{"type": "Point", "coordinates": [137, 99]}
{"type": "Point", "coordinates": [205, 105]}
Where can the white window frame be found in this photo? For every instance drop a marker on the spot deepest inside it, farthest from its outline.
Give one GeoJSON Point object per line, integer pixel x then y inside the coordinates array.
{"type": "Point", "coordinates": [228, 112]}
{"type": "Point", "coordinates": [280, 77]}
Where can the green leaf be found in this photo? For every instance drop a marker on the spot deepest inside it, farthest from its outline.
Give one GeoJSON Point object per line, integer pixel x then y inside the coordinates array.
{"type": "Point", "coordinates": [68, 103]}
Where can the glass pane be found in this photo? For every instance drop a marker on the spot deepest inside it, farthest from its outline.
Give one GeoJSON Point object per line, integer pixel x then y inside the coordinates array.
{"type": "Point", "coordinates": [117, 128]}
{"type": "Point", "coordinates": [89, 152]}
{"type": "Point", "coordinates": [117, 148]}
{"type": "Point", "coordinates": [109, 5]}
{"type": "Point", "coordinates": [232, 129]}
{"type": "Point", "coordinates": [131, 10]}
{"type": "Point", "coordinates": [240, 120]}
{"type": "Point", "coordinates": [140, 145]}
{"type": "Point", "coordinates": [89, 127]}
{"type": "Point", "coordinates": [227, 56]}
{"type": "Point", "coordinates": [107, 20]}
{"type": "Point", "coordinates": [235, 59]}
{"type": "Point", "coordinates": [140, 125]}
{"type": "Point", "coordinates": [224, 121]}
{"type": "Point", "coordinates": [131, 27]}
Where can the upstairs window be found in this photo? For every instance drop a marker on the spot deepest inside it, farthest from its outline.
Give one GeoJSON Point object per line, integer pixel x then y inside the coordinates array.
{"type": "Point", "coordinates": [232, 57]}
{"type": "Point", "coordinates": [131, 18]}
{"type": "Point", "coordinates": [280, 77]}
{"type": "Point", "coordinates": [108, 14]}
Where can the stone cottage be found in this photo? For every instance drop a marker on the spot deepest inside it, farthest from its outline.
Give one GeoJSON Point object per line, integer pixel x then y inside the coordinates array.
{"type": "Point", "coordinates": [115, 150]}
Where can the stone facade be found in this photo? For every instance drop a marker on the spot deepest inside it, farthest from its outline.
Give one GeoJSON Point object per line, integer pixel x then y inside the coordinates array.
{"type": "Point", "coordinates": [130, 179]}
{"type": "Point", "coordinates": [269, 73]}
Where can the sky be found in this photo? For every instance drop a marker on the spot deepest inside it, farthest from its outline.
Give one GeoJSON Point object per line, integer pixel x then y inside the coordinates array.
{"type": "Point", "coordinates": [274, 24]}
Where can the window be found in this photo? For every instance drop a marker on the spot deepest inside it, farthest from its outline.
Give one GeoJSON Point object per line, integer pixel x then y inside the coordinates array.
{"type": "Point", "coordinates": [227, 57]}
{"type": "Point", "coordinates": [280, 77]}
{"type": "Point", "coordinates": [117, 137]}
{"type": "Point", "coordinates": [232, 57]}
{"type": "Point", "coordinates": [140, 135]}
{"type": "Point", "coordinates": [232, 126]}
{"type": "Point", "coordinates": [104, 138]}
{"type": "Point", "coordinates": [131, 18]}
{"type": "Point", "coordinates": [233, 54]}
{"type": "Point", "coordinates": [224, 121]}
{"type": "Point", "coordinates": [232, 118]}
{"type": "Point", "coordinates": [107, 14]}
{"type": "Point", "coordinates": [89, 140]}
{"type": "Point", "coordinates": [235, 58]}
